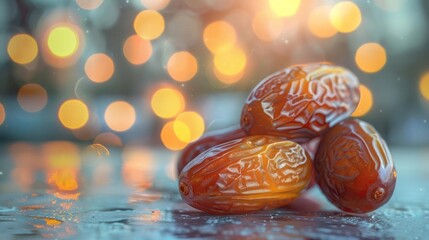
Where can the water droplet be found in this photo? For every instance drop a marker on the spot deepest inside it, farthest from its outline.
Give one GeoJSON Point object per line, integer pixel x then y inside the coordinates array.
{"type": "Point", "coordinates": [425, 121]}
{"type": "Point", "coordinates": [87, 31]}
{"type": "Point", "coordinates": [1, 173]}
{"type": "Point", "coordinates": [381, 110]}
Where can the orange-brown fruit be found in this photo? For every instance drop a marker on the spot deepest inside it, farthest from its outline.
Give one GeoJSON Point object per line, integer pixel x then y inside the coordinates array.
{"type": "Point", "coordinates": [354, 168]}
{"type": "Point", "coordinates": [245, 175]}
{"type": "Point", "coordinates": [207, 141]}
{"type": "Point", "coordinates": [301, 102]}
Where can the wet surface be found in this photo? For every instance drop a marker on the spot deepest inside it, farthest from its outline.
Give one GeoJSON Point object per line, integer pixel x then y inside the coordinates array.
{"type": "Point", "coordinates": [61, 190]}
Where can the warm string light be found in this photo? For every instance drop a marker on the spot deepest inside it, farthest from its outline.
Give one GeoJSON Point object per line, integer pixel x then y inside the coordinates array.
{"type": "Point", "coordinates": [365, 102]}
{"type": "Point", "coordinates": [345, 16]}
{"type": "Point", "coordinates": [120, 116]}
{"type": "Point", "coordinates": [170, 139]}
{"type": "Point", "coordinates": [137, 50]}
{"type": "Point", "coordinates": [423, 86]}
{"type": "Point", "coordinates": [319, 23]}
{"type": "Point", "coordinates": [182, 66]}
{"type": "Point", "coordinates": [32, 97]}
{"type": "Point", "coordinates": [63, 43]}
{"type": "Point", "coordinates": [73, 114]}
{"type": "Point", "coordinates": [371, 57]}
{"type": "Point", "coordinates": [219, 36]}
{"type": "Point", "coordinates": [149, 24]}
{"type": "Point", "coordinates": [283, 8]}
{"type": "Point", "coordinates": [2, 114]}
{"type": "Point", "coordinates": [167, 102]}
{"type": "Point", "coordinates": [22, 48]}
{"type": "Point", "coordinates": [231, 62]}
{"type": "Point", "coordinates": [188, 126]}
{"type": "Point", "coordinates": [99, 67]}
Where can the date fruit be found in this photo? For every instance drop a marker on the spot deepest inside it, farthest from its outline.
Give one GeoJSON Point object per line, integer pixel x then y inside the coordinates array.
{"type": "Point", "coordinates": [246, 174]}
{"type": "Point", "coordinates": [207, 141]}
{"type": "Point", "coordinates": [300, 102]}
{"type": "Point", "coordinates": [354, 168]}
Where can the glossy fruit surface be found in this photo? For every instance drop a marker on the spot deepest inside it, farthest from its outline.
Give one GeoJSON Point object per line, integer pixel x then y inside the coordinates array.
{"type": "Point", "coordinates": [207, 141]}
{"type": "Point", "coordinates": [354, 168]}
{"type": "Point", "coordinates": [300, 102]}
{"type": "Point", "coordinates": [246, 174]}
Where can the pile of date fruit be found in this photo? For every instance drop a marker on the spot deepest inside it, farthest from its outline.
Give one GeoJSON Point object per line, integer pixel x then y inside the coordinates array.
{"type": "Point", "coordinates": [295, 127]}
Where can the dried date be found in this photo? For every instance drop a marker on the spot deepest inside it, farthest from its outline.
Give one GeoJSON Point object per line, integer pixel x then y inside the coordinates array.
{"type": "Point", "coordinates": [205, 142]}
{"type": "Point", "coordinates": [246, 174]}
{"type": "Point", "coordinates": [354, 168]}
{"type": "Point", "coordinates": [300, 102]}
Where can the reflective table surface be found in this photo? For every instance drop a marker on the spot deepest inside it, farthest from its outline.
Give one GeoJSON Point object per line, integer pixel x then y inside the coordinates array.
{"type": "Point", "coordinates": [66, 190]}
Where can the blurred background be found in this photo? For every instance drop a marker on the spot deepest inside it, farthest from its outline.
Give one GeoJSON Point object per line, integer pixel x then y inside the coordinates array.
{"type": "Point", "coordinates": [162, 72]}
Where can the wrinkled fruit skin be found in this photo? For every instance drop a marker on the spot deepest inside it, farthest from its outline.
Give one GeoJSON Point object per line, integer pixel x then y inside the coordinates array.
{"type": "Point", "coordinates": [245, 175]}
{"type": "Point", "coordinates": [300, 102]}
{"type": "Point", "coordinates": [207, 141]}
{"type": "Point", "coordinates": [354, 168]}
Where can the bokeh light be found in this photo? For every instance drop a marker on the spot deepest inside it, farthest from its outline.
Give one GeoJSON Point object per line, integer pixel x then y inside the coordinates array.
{"type": "Point", "coordinates": [108, 139]}
{"type": "Point", "coordinates": [99, 67]}
{"type": "Point", "coordinates": [120, 116]}
{"type": "Point", "coordinates": [89, 4]}
{"type": "Point", "coordinates": [423, 85]}
{"type": "Point", "coordinates": [22, 48]}
{"type": "Point", "coordinates": [2, 114]}
{"type": "Point", "coordinates": [228, 79]}
{"type": "Point", "coordinates": [284, 8]}
{"type": "Point", "coordinates": [169, 138]}
{"type": "Point", "coordinates": [62, 162]}
{"type": "Point", "coordinates": [266, 27]}
{"type": "Point", "coordinates": [182, 66]}
{"type": "Point", "coordinates": [149, 24]}
{"type": "Point", "coordinates": [345, 16]}
{"type": "Point", "coordinates": [371, 57]}
{"type": "Point", "coordinates": [138, 167]}
{"type": "Point", "coordinates": [63, 41]}
{"type": "Point", "coordinates": [219, 36]}
{"type": "Point", "coordinates": [167, 102]}
{"type": "Point", "coordinates": [73, 114]}
{"type": "Point", "coordinates": [155, 4]}
{"type": "Point", "coordinates": [319, 23]}
{"type": "Point", "coordinates": [231, 62]}
{"type": "Point", "coordinates": [137, 50]}
{"type": "Point", "coordinates": [365, 102]}
{"type": "Point", "coordinates": [32, 97]}
{"type": "Point", "coordinates": [64, 179]}
{"type": "Point", "coordinates": [189, 126]}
